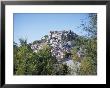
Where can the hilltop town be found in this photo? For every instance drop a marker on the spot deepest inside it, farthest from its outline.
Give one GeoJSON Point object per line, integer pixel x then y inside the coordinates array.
{"type": "Point", "coordinates": [60, 41]}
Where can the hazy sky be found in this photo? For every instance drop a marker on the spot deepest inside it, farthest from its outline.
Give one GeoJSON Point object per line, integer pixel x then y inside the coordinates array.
{"type": "Point", "coordinates": [33, 26]}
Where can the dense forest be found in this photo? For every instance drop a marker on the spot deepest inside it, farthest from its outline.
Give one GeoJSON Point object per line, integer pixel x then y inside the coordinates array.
{"type": "Point", "coordinates": [42, 62]}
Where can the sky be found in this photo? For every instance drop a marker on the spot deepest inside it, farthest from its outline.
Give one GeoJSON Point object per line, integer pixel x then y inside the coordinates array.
{"type": "Point", "coordinates": [33, 26]}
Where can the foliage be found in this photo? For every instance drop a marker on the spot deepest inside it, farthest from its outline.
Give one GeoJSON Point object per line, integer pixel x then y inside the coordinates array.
{"type": "Point", "coordinates": [60, 69]}
{"type": "Point", "coordinates": [44, 61]}
{"type": "Point", "coordinates": [87, 67]}
{"type": "Point", "coordinates": [46, 37]}
{"type": "Point", "coordinates": [89, 61]}
{"type": "Point", "coordinates": [26, 62]}
{"type": "Point", "coordinates": [91, 25]}
{"type": "Point", "coordinates": [74, 54]}
{"type": "Point", "coordinates": [21, 57]}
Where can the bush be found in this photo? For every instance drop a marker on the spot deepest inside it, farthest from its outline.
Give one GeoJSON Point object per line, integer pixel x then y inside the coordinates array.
{"type": "Point", "coordinates": [87, 67]}
{"type": "Point", "coordinates": [60, 69]}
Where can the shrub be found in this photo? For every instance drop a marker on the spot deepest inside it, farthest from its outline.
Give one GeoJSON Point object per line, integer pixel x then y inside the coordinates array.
{"type": "Point", "coordinates": [87, 67]}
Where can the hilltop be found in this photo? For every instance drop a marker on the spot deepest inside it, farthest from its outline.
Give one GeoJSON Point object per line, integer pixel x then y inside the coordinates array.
{"type": "Point", "coordinates": [61, 42]}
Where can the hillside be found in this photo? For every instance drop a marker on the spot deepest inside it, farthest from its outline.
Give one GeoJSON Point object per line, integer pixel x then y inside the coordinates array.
{"type": "Point", "coordinates": [57, 53]}
{"type": "Point", "coordinates": [60, 42]}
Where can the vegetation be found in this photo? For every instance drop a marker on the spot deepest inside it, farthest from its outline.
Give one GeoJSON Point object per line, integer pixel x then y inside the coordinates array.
{"type": "Point", "coordinates": [89, 61]}
{"type": "Point", "coordinates": [27, 62]}
{"type": "Point", "coordinates": [74, 54]}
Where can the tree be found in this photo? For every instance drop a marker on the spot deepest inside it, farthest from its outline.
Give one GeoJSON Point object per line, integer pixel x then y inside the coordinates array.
{"type": "Point", "coordinates": [90, 26]}
{"type": "Point", "coordinates": [15, 49]}
{"type": "Point", "coordinates": [46, 37]}
{"type": "Point", "coordinates": [89, 43]}
{"type": "Point", "coordinates": [45, 61]}
{"type": "Point", "coordinates": [23, 41]}
{"type": "Point", "coordinates": [89, 63]}
{"type": "Point", "coordinates": [23, 54]}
